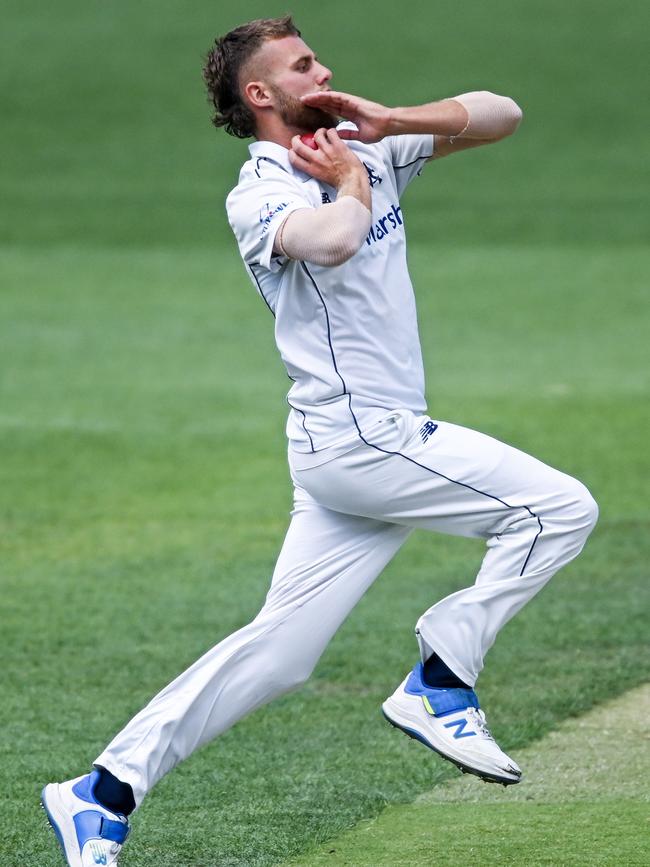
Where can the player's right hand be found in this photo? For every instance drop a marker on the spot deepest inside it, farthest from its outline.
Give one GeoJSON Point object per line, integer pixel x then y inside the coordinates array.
{"type": "Point", "coordinates": [333, 162]}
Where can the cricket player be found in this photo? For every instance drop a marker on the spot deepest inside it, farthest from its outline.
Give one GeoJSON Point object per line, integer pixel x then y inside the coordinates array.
{"type": "Point", "coordinates": [317, 217]}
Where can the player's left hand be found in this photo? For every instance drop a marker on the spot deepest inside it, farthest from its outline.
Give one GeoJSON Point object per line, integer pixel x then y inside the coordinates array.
{"type": "Point", "coordinates": [371, 119]}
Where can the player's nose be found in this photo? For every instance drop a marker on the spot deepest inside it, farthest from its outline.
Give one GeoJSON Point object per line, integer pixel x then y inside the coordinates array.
{"type": "Point", "coordinates": [323, 75]}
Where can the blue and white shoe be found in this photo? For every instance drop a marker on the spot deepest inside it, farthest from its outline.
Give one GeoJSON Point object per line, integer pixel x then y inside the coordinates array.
{"type": "Point", "coordinates": [88, 833]}
{"type": "Point", "coordinates": [450, 722]}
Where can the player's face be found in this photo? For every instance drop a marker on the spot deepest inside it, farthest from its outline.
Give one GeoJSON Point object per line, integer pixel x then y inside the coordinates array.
{"type": "Point", "coordinates": [292, 70]}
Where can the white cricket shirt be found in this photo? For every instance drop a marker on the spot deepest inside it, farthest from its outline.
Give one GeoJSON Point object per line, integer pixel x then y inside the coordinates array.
{"type": "Point", "coordinates": [348, 334]}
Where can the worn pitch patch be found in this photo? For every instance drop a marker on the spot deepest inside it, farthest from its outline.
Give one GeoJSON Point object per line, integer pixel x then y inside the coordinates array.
{"type": "Point", "coordinates": [584, 799]}
{"type": "Point", "coordinates": [598, 753]}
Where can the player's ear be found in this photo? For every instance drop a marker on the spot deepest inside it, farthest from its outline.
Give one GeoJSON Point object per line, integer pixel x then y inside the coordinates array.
{"type": "Point", "coordinates": [258, 94]}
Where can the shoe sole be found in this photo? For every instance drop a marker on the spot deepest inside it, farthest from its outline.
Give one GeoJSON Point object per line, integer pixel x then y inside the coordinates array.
{"type": "Point", "coordinates": [465, 769]}
{"type": "Point", "coordinates": [56, 819]}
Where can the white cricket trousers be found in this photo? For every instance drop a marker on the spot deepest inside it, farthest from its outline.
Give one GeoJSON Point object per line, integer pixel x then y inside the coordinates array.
{"type": "Point", "coordinates": [350, 517]}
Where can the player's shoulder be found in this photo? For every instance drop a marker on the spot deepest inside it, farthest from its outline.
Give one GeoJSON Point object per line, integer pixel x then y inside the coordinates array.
{"type": "Point", "coordinates": [254, 173]}
{"type": "Point", "coordinates": [267, 168]}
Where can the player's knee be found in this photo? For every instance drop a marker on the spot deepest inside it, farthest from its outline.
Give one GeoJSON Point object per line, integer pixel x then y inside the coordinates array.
{"type": "Point", "coordinates": [591, 510]}
{"type": "Point", "coordinates": [583, 509]}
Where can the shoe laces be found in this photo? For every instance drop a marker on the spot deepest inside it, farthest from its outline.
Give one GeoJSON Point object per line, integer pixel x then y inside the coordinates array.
{"type": "Point", "coordinates": [478, 718]}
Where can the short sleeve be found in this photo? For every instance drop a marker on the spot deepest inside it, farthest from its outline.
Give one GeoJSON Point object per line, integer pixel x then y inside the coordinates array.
{"type": "Point", "coordinates": [256, 209]}
{"type": "Point", "coordinates": [408, 154]}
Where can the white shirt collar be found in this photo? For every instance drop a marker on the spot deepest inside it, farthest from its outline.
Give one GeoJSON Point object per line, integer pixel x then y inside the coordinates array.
{"type": "Point", "coordinates": [269, 150]}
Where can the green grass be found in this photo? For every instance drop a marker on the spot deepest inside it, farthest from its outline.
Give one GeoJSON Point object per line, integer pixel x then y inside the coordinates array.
{"type": "Point", "coordinates": [603, 832]}
{"type": "Point", "coordinates": [143, 483]}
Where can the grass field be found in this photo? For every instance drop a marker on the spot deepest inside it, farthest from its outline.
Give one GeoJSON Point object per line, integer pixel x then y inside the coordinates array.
{"type": "Point", "coordinates": [143, 485]}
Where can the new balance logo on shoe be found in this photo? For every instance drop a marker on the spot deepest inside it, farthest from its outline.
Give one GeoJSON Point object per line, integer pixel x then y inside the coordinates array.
{"type": "Point", "coordinates": [98, 856]}
{"type": "Point", "coordinates": [460, 728]}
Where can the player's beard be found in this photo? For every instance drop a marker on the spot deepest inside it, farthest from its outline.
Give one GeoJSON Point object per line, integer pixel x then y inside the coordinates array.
{"type": "Point", "coordinates": [299, 116]}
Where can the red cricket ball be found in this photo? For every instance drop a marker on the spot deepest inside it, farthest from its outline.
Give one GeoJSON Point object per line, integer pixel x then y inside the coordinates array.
{"type": "Point", "coordinates": [308, 139]}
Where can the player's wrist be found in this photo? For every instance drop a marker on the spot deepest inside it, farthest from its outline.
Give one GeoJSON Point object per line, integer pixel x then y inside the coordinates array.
{"type": "Point", "coordinates": [394, 121]}
{"type": "Point", "coordinates": [399, 121]}
{"type": "Point", "coordinates": [355, 183]}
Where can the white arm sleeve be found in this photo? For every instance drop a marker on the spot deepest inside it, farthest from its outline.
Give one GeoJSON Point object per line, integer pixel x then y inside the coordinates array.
{"type": "Point", "coordinates": [489, 116]}
{"type": "Point", "coordinates": [329, 235]}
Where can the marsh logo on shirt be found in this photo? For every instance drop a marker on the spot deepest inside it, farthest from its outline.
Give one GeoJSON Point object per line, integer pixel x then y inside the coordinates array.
{"type": "Point", "coordinates": [267, 213]}
{"type": "Point", "coordinates": [385, 225]}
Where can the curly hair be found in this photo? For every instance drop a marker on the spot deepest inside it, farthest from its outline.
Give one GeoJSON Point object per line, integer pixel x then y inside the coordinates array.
{"type": "Point", "coordinates": [224, 63]}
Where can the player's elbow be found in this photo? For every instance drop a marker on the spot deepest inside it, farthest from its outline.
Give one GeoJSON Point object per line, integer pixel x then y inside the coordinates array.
{"type": "Point", "coordinates": [511, 116]}
{"type": "Point", "coordinates": [490, 117]}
